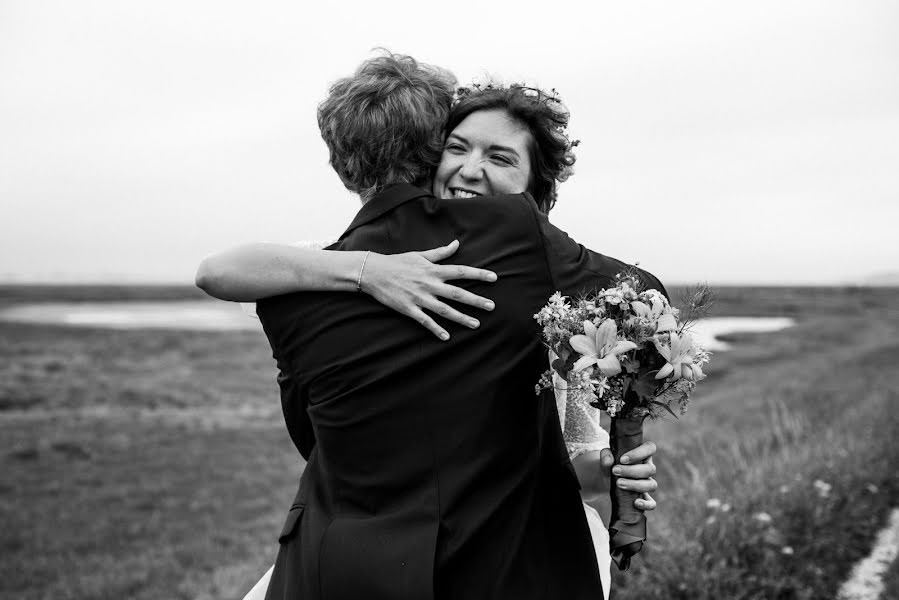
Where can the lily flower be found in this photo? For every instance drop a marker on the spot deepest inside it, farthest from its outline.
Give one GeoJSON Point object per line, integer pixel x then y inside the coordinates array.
{"type": "Point", "coordinates": [666, 322]}
{"type": "Point", "coordinates": [641, 309]}
{"type": "Point", "coordinates": [659, 313]}
{"type": "Point", "coordinates": [680, 358]}
{"type": "Point", "coordinates": [601, 347]}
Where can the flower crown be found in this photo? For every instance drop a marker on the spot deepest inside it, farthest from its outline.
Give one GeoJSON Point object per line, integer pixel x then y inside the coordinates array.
{"type": "Point", "coordinates": [559, 116]}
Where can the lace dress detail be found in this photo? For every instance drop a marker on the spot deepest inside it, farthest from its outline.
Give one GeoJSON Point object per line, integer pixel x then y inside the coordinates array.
{"type": "Point", "coordinates": [580, 421]}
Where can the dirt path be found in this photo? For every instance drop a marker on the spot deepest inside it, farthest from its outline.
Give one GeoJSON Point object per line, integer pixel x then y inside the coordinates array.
{"type": "Point", "coordinates": [866, 580]}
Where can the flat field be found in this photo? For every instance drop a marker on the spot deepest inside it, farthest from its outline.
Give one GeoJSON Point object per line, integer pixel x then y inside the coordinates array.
{"type": "Point", "coordinates": [154, 464]}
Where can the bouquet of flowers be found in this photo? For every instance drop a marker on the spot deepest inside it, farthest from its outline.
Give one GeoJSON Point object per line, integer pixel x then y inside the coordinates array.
{"type": "Point", "coordinates": [628, 352]}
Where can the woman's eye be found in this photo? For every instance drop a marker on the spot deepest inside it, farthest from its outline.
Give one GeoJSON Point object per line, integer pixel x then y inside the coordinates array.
{"type": "Point", "coordinates": [454, 148]}
{"type": "Point", "coordinates": [503, 159]}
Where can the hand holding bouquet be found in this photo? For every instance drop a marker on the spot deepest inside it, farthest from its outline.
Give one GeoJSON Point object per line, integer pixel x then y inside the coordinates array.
{"type": "Point", "coordinates": [625, 351]}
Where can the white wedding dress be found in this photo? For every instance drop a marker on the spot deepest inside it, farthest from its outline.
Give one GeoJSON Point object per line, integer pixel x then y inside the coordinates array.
{"type": "Point", "coordinates": [582, 432]}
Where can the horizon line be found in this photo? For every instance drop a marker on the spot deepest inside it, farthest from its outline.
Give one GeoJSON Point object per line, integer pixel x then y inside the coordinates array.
{"type": "Point", "coordinates": [190, 284]}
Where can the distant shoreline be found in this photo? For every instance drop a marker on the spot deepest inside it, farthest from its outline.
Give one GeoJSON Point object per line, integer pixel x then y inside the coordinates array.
{"type": "Point", "coordinates": [49, 292]}
{"type": "Point", "coordinates": [677, 285]}
{"type": "Point", "coordinates": [730, 300]}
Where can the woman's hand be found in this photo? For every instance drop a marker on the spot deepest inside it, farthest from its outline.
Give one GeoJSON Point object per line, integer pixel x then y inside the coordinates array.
{"type": "Point", "coordinates": [412, 283]}
{"type": "Point", "coordinates": [593, 470]}
{"type": "Point", "coordinates": [635, 473]}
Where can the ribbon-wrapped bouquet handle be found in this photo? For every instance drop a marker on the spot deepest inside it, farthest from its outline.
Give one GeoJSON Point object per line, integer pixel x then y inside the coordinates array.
{"type": "Point", "coordinates": [627, 526]}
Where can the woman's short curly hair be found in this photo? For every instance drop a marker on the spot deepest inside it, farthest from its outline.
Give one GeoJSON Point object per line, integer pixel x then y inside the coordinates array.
{"type": "Point", "coordinates": [383, 125]}
{"type": "Point", "coordinates": [545, 117]}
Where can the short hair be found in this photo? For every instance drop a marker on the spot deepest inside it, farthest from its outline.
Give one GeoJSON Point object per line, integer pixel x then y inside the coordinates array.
{"type": "Point", "coordinates": [383, 125]}
{"type": "Point", "coordinates": [544, 116]}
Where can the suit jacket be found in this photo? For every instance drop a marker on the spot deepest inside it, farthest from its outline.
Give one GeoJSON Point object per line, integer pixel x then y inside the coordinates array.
{"type": "Point", "coordinates": [433, 469]}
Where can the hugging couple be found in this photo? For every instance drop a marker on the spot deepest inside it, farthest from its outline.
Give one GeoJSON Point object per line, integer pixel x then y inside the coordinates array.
{"type": "Point", "coordinates": [433, 470]}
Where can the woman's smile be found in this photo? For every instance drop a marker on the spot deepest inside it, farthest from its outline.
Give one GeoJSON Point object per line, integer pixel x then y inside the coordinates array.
{"type": "Point", "coordinates": [463, 193]}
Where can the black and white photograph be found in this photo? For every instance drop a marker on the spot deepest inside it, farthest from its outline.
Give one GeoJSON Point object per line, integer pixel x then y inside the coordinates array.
{"type": "Point", "coordinates": [411, 301]}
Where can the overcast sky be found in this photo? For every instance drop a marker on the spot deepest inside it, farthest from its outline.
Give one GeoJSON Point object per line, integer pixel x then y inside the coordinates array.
{"type": "Point", "coordinates": [748, 143]}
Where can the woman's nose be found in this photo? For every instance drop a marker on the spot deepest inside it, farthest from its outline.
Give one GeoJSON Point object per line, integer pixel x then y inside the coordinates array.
{"type": "Point", "coordinates": [471, 168]}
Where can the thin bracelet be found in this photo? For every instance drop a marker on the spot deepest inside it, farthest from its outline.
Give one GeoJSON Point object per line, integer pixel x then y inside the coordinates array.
{"type": "Point", "coordinates": [362, 268]}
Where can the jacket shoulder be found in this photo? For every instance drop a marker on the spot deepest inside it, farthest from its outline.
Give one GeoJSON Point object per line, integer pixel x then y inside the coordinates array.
{"type": "Point", "coordinates": [510, 210]}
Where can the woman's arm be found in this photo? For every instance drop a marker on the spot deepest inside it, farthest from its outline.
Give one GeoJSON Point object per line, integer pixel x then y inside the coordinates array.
{"type": "Point", "coordinates": [594, 479]}
{"type": "Point", "coordinates": [253, 271]}
{"type": "Point", "coordinates": [409, 283]}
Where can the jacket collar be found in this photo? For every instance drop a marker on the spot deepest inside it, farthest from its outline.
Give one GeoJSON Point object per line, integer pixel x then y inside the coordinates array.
{"type": "Point", "coordinates": [383, 203]}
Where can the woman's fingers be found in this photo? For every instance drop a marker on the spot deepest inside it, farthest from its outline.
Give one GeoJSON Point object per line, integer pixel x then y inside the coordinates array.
{"type": "Point", "coordinates": [607, 460]}
{"type": "Point", "coordinates": [645, 503]}
{"type": "Point", "coordinates": [442, 253]}
{"type": "Point", "coordinates": [450, 272]}
{"type": "Point", "coordinates": [638, 485]}
{"type": "Point", "coordinates": [639, 454]}
{"type": "Point", "coordinates": [445, 311]}
{"type": "Point", "coordinates": [457, 294]}
{"type": "Point", "coordinates": [428, 323]}
{"type": "Point", "coordinates": [413, 286]}
{"type": "Point", "coordinates": [641, 471]}
{"type": "Point", "coordinates": [448, 312]}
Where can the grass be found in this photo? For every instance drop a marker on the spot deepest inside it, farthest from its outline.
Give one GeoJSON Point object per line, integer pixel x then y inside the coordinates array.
{"type": "Point", "coordinates": [137, 464]}
{"type": "Point", "coordinates": [154, 464]}
{"type": "Point", "coordinates": [891, 582]}
{"type": "Point", "coordinates": [779, 412]}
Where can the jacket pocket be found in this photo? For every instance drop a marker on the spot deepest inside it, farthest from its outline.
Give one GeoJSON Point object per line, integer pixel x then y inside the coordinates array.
{"type": "Point", "coordinates": [292, 523]}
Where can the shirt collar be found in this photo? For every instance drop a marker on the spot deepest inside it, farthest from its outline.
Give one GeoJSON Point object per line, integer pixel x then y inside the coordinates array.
{"type": "Point", "coordinates": [383, 203]}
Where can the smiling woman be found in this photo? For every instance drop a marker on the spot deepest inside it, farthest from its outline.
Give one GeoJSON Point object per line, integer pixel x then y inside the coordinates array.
{"type": "Point", "coordinates": [506, 140]}
{"type": "Point", "coordinates": [475, 163]}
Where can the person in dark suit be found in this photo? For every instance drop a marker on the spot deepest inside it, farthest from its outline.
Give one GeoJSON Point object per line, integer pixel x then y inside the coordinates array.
{"type": "Point", "coordinates": [433, 470]}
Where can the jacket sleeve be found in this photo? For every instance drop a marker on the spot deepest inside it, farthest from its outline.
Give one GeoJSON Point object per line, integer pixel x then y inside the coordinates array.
{"type": "Point", "coordinates": [274, 316]}
{"type": "Point", "coordinates": [576, 270]}
{"type": "Point", "coordinates": [294, 405]}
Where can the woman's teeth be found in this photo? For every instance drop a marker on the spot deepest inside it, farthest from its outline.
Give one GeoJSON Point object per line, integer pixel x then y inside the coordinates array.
{"type": "Point", "coordinates": [459, 194]}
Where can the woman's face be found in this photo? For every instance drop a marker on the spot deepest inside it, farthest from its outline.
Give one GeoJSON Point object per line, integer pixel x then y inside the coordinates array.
{"type": "Point", "coordinates": [485, 155]}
